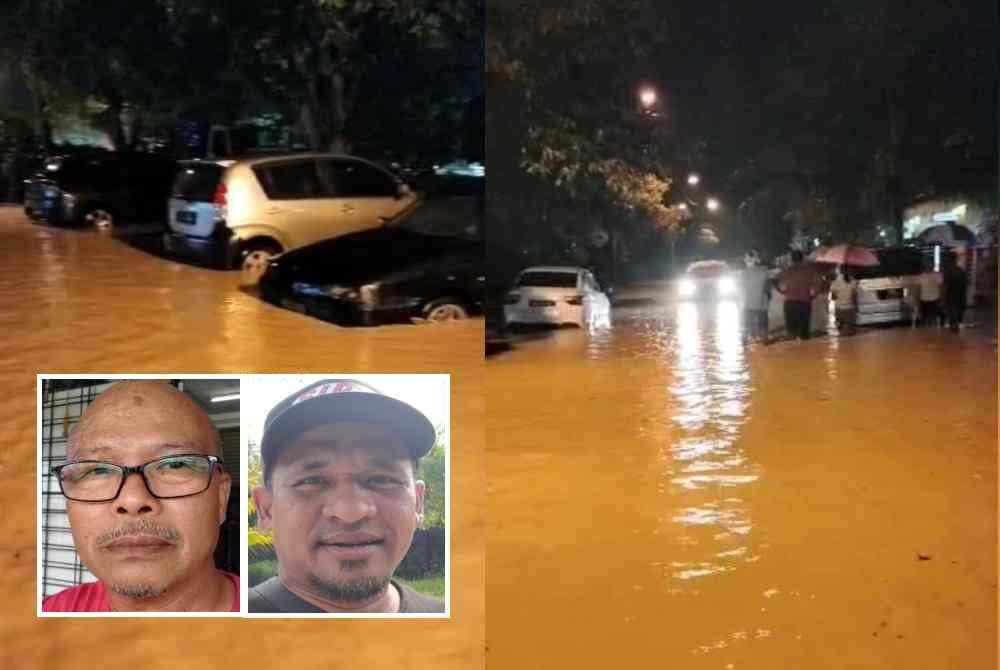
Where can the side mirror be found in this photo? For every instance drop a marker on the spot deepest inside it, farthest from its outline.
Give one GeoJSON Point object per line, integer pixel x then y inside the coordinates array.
{"type": "Point", "coordinates": [403, 190]}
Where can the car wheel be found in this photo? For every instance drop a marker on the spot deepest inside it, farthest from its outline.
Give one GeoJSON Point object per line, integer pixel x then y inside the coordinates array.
{"type": "Point", "coordinates": [255, 262]}
{"type": "Point", "coordinates": [99, 218]}
{"type": "Point", "coordinates": [445, 309]}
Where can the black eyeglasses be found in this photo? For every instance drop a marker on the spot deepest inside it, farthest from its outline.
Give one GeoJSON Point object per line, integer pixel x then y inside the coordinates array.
{"type": "Point", "coordinates": [176, 476]}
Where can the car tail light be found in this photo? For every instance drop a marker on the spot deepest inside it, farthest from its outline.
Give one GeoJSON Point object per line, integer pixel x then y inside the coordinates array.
{"type": "Point", "coordinates": [511, 299]}
{"type": "Point", "coordinates": [220, 195]}
{"type": "Point", "coordinates": [574, 299]}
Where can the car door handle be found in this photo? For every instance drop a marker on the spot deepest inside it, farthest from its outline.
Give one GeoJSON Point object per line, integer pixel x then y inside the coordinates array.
{"type": "Point", "coordinates": [275, 210]}
{"type": "Point", "coordinates": [347, 209]}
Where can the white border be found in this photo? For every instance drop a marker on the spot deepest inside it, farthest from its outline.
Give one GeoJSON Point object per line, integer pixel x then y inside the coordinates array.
{"type": "Point", "coordinates": [447, 512]}
{"type": "Point", "coordinates": [244, 526]}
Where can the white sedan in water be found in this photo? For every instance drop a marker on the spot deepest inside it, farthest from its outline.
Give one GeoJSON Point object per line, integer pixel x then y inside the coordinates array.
{"type": "Point", "coordinates": [557, 295]}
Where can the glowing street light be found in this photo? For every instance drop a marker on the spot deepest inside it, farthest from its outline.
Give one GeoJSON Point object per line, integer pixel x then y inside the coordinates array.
{"type": "Point", "coordinates": [712, 204]}
{"type": "Point", "coordinates": [647, 97]}
{"type": "Point", "coordinates": [693, 179]}
{"type": "Point", "coordinates": [683, 206]}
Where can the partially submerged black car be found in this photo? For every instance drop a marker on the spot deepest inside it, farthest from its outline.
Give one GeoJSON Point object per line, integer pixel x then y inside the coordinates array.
{"type": "Point", "coordinates": [100, 188]}
{"type": "Point", "coordinates": [428, 267]}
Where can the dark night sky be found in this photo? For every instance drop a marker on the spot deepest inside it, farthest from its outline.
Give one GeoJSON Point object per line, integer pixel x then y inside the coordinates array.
{"type": "Point", "coordinates": [723, 68]}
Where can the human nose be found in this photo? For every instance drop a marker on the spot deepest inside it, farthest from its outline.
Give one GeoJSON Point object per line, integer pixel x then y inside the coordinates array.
{"type": "Point", "coordinates": [349, 504]}
{"type": "Point", "coordinates": [135, 497]}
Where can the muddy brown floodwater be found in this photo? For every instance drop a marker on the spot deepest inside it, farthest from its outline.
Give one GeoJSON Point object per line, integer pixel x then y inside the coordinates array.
{"type": "Point", "coordinates": [661, 496]}
{"type": "Point", "coordinates": [78, 302]}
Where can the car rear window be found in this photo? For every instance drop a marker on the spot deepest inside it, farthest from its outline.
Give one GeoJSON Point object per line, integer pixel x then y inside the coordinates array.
{"type": "Point", "coordinates": [557, 279]}
{"type": "Point", "coordinates": [893, 263]}
{"type": "Point", "coordinates": [197, 182]}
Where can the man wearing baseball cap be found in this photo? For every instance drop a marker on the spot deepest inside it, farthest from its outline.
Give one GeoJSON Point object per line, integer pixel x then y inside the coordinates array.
{"type": "Point", "coordinates": [341, 497]}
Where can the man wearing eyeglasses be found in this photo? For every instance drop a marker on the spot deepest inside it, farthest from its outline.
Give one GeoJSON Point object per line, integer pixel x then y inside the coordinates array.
{"type": "Point", "coordinates": [341, 495]}
{"type": "Point", "coordinates": [146, 495]}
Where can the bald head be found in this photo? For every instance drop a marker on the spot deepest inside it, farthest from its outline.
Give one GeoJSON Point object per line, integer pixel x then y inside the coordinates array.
{"type": "Point", "coordinates": [130, 410]}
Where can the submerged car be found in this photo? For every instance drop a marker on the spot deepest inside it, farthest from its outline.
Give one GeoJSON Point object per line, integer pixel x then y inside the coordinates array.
{"type": "Point", "coordinates": [557, 295]}
{"type": "Point", "coordinates": [240, 213]}
{"type": "Point", "coordinates": [708, 280]}
{"type": "Point", "coordinates": [100, 189]}
{"type": "Point", "coordinates": [427, 267]}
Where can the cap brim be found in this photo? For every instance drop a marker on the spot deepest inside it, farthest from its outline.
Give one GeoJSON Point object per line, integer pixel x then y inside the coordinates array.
{"type": "Point", "coordinates": [412, 427]}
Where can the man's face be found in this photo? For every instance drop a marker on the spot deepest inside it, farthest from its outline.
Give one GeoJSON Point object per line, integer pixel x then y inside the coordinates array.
{"type": "Point", "coordinates": [343, 505]}
{"type": "Point", "coordinates": [137, 544]}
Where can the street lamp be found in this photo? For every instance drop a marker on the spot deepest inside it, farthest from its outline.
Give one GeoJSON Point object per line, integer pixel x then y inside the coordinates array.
{"type": "Point", "coordinates": [712, 204]}
{"type": "Point", "coordinates": [683, 206]}
{"type": "Point", "coordinates": [693, 179]}
{"type": "Point", "coordinates": [647, 97]}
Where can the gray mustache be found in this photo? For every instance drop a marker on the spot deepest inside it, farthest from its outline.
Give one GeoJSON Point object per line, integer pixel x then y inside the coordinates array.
{"type": "Point", "coordinates": [171, 535]}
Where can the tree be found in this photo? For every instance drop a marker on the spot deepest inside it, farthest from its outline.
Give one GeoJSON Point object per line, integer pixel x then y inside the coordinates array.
{"type": "Point", "coordinates": [432, 467]}
{"type": "Point", "coordinates": [348, 71]}
{"type": "Point", "coordinates": [332, 62]}
{"type": "Point", "coordinates": [111, 59]}
{"type": "Point", "coordinates": [567, 134]}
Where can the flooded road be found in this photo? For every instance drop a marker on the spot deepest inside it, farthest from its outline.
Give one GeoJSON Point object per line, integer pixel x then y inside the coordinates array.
{"type": "Point", "coordinates": [74, 301]}
{"type": "Point", "coordinates": [662, 496]}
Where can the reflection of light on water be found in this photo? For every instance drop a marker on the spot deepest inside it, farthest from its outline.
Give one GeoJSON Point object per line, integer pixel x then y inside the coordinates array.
{"type": "Point", "coordinates": [690, 389]}
{"type": "Point", "coordinates": [712, 466]}
{"type": "Point", "coordinates": [710, 390]}
{"type": "Point", "coordinates": [692, 449]}
{"type": "Point", "coordinates": [702, 481]}
{"type": "Point", "coordinates": [739, 551]}
{"type": "Point", "coordinates": [830, 357]}
{"type": "Point", "coordinates": [688, 336]}
{"type": "Point", "coordinates": [599, 344]}
{"type": "Point", "coordinates": [728, 337]}
{"type": "Point", "coordinates": [731, 518]}
{"type": "Point", "coordinates": [693, 570]}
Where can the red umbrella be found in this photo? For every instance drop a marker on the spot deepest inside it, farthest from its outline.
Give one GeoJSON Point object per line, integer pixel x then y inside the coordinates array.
{"type": "Point", "coordinates": [846, 254]}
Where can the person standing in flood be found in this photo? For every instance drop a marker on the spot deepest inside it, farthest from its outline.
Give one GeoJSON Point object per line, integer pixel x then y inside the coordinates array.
{"type": "Point", "coordinates": [930, 298]}
{"type": "Point", "coordinates": [798, 284]}
{"type": "Point", "coordinates": [956, 285]}
{"type": "Point", "coordinates": [755, 298]}
{"type": "Point", "coordinates": [845, 300]}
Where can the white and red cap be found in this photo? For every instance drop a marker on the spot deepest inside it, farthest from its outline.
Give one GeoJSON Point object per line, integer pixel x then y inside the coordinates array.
{"type": "Point", "coordinates": [332, 400]}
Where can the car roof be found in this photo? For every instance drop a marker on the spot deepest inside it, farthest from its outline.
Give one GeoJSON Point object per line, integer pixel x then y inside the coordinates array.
{"type": "Point", "coordinates": [698, 265]}
{"type": "Point", "coordinates": [554, 268]}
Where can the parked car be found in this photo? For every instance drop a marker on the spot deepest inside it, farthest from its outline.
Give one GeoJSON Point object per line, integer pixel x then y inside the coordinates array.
{"type": "Point", "coordinates": [241, 213]}
{"type": "Point", "coordinates": [100, 188]}
{"type": "Point", "coordinates": [557, 295]}
{"type": "Point", "coordinates": [708, 280]}
{"type": "Point", "coordinates": [886, 291]}
{"type": "Point", "coordinates": [407, 271]}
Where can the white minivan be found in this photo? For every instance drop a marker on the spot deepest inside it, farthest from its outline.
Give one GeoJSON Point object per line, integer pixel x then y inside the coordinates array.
{"type": "Point", "coordinates": [240, 213]}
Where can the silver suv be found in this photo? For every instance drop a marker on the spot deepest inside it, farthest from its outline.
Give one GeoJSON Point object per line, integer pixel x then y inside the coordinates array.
{"type": "Point", "coordinates": [240, 213]}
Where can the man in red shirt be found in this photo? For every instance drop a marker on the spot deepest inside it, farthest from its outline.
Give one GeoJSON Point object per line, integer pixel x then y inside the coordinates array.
{"type": "Point", "coordinates": [799, 286]}
{"type": "Point", "coordinates": [146, 495]}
